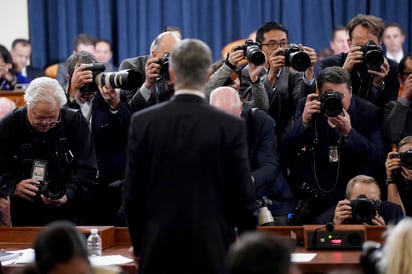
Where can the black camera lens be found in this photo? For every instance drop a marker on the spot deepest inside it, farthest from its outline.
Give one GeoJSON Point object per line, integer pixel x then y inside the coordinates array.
{"type": "Point", "coordinates": [372, 55]}
{"type": "Point", "coordinates": [53, 189]}
{"type": "Point", "coordinates": [330, 103]}
{"type": "Point", "coordinates": [363, 209]}
{"type": "Point", "coordinates": [406, 158]}
{"type": "Point", "coordinates": [164, 67]}
{"type": "Point", "coordinates": [295, 57]}
{"type": "Point", "coordinates": [252, 52]}
{"type": "Point", "coordinates": [7, 186]}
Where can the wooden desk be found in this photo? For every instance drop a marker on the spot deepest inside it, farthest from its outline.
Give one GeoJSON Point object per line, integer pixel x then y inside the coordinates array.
{"type": "Point", "coordinates": [14, 95]}
{"type": "Point", "coordinates": [117, 242]}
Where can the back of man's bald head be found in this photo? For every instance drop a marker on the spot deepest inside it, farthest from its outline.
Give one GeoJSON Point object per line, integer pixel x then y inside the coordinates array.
{"type": "Point", "coordinates": [164, 43]}
{"type": "Point", "coordinates": [226, 99]}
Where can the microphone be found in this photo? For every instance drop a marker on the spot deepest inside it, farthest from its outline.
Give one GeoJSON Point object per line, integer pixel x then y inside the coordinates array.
{"type": "Point", "coordinates": [329, 227]}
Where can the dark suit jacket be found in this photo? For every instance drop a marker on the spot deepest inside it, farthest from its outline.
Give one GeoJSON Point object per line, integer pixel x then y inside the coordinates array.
{"type": "Point", "coordinates": [138, 64]}
{"type": "Point", "coordinates": [390, 212]}
{"type": "Point", "coordinates": [360, 80]}
{"type": "Point", "coordinates": [187, 186]}
{"type": "Point", "coordinates": [361, 153]}
{"type": "Point", "coordinates": [264, 161]}
{"type": "Point", "coordinates": [397, 121]}
{"type": "Point", "coordinates": [33, 73]}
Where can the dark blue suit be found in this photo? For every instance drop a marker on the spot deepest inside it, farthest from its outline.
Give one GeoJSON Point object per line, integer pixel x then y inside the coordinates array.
{"type": "Point", "coordinates": [263, 159]}
{"type": "Point", "coordinates": [307, 152]}
{"type": "Point", "coordinates": [187, 186]}
{"type": "Point", "coordinates": [361, 84]}
{"type": "Point", "coordinates": [390, 212]}
{"type": "Point", "coordinates": [109, 133]}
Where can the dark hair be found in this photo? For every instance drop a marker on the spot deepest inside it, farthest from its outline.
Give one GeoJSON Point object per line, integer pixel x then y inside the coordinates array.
{"type": "Point", "coordinates": [335, 30]}
{"type": "Point", "coordinates": [374, 24]}
{"type": "Point", "coordinates": [59, 242]}
{"type": "Point", "coordinates": [394, 24]}
{"type": "Point", "coordinates": [82, 38]}
{"type": "Point", "coordinates": [82, 56]}
{"type": "Point", "coordinates": [401, 65]}
{"type": "Point", "coordinates": [22, 41]}
{"type": "Point", "coordinates": [5, 54]}
{"type": "Point", "coordinates": [335, 75]}
{"type": "Point", "coordinates": [266, 27]}
{"type": "Point", "coordinates": [103, 40]}
{"type": "Point", "coordinates": [259, 253]}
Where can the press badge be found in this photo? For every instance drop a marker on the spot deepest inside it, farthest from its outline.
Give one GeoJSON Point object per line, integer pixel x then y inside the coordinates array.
{"type": "Point", "coordinates": [39, 170]}
{"type": "Point", "coordinates": [333, 154]}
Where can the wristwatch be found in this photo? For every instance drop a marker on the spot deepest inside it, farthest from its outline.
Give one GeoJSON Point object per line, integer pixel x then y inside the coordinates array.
{"type": "Point", "coordinates": [381, 86]}
{"type": "Point", "coordinates": [389, 181]}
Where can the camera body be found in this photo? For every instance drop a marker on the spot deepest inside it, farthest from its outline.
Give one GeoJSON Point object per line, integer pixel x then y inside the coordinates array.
{"type": "Point", "coordinates": [7, 185]}
{"type": "Point", "coordinates": [96, 68]}
{"type": "Point", "coordinates": [164, 67]}
{"type": "Point", "coordinates": [124, 79]}
{"type": "Point", "coordinates": [364, 209]}
{"type": "Point", "coordinates": [306, 206]}
{"type": "Point", "coordinates": [295, 57]}
{"type": "Point", "coordinates": [253, 52]}
{"type": "Point", "coordinates": [330, 103]}
{"type": "Point", "coordinates": [373, 56]}
{"type": "Point", "coordinates": [406, 158]}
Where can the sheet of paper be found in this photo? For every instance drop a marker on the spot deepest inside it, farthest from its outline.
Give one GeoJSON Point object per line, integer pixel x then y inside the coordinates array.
{"type": "Point", "coordinates": [302, 257]}
{"type": "Point", "coordinates": [109, 260]}
{"type": "Point", "coordinates": [26, 256]}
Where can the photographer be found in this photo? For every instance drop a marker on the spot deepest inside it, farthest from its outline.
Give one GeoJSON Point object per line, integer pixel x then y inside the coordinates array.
{"type": "Point", "coordinates": [46, 156]}
{"type": "Point", "coordinates": [399, 175]}
{"type": "Point", "coordinates": [362, 204]}
{"type": "Point", "coordinates": [335, 137]}
{"type": "Point", "coordinates": [398, 114]}
{"type": "Point", "coordinates": [155, 88]}
{"type": "Point", "coordinates": [108, 117]}
{"type": "Point", "coordinates": [225, 73]}
{"type": "Point", "coordinates": [373, 76]}
{"type": "Point", "coordinates": [262, 152]}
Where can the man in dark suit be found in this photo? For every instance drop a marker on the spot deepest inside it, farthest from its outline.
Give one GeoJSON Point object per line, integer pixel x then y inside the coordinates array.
{"type": "Point", "coordinates": [371, 80]}
{"type": "Point", "coordinates": [385, 212]}
{"type": "Point", "coordinates": [21, 54]}
{"type": "Point", "coordinates": [262, 151]}
{"type": "Point", "coordinates": [156, 87]}
{"type": "Point", "coordinates": [188, 184]}
{"type": "Point", "coordinates": [108, 117]}
{"type": "Point", "coordinates": [335, 137]}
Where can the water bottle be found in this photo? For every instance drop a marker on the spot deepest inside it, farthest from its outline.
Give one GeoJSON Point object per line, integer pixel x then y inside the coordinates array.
{"type": "Point", "coordinates": [94, 243]}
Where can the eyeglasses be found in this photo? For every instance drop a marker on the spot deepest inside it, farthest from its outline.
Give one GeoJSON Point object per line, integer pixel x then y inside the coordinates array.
{"type": "Point", "coordinates": [406, 73]}
{"type": "Point", "coordinates": [46, 122]}
{"type": "Point", "coordinates": [275, 45]}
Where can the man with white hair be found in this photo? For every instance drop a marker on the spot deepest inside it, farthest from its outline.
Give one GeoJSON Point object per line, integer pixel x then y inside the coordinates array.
{"type": "Point", "coordinates": [46, 156]}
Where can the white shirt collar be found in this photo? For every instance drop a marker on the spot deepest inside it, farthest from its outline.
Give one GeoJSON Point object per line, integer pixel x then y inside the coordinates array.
{"type": "Point", "coordinates": [190, 91]}
{"type": "Point", "coordinates": [397, 57]}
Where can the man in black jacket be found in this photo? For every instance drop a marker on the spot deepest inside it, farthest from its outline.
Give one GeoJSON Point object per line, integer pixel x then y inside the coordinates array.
{"type": "Point", "coordinates": [47, 155]}
{"type": "Point", "coordinates": [373, 76]}
{"type": "Point", "coordinates": [262, 152]}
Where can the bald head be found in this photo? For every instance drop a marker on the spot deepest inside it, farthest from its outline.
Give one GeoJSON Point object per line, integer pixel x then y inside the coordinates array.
{"type": "Point", "coordinates": [226, 99]}
{"type": "Point", "coordinates": [164, 43]}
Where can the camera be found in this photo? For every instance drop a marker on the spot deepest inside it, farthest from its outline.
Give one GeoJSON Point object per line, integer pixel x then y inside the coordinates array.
{"type": "Point", "coordinates": [265, 217]}
{"type": "Point", "coordinates": [53, 189]}
{"type": "Point", "coordinates": [370, 257]}
{"type": "Point", "coordinates": [406, 158]}
{"type": "Point", "coordinates": [363, 209]}
{"type": "Point", "coordinates": [252, 52]}
{"type": "Point", "coordinates": [164, 67]}
{"type": "Point", "coordinates": [295, 57]}
{"type": "Point", "coordinates": [330, 103]}
{"type": "Point", "coordinates": [7, 185]}
{"type": "Point", "coordinates": [305, 208]}
{"type": "Point", "coordinates": [124, 79]}
{"type": "Point", "coordinates": [372, 55]}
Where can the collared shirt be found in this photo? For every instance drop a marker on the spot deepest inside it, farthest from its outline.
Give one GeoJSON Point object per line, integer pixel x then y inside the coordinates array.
{"type": "Point", "coordinates": [397, 57]}
{"type": "Point", "coordinates": [190, 91]}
